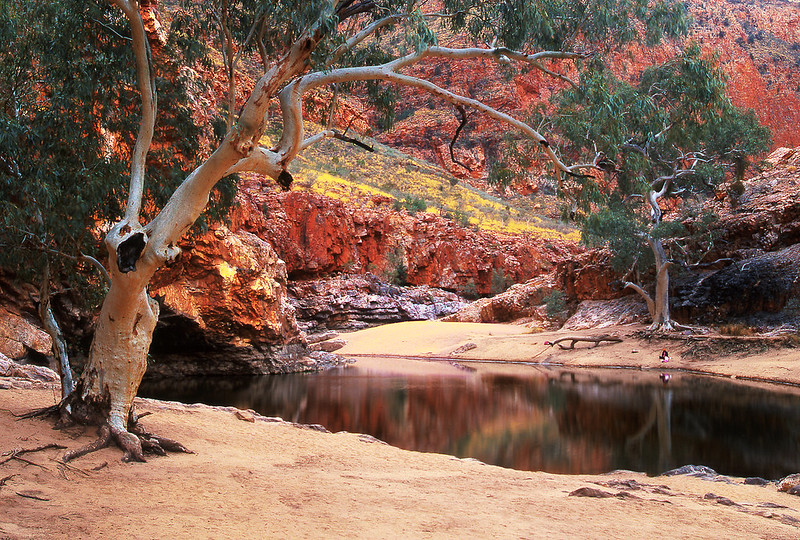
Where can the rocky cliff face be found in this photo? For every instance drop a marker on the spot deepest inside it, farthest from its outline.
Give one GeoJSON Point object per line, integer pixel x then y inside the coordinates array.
{"type": "Point", "coordinates": [760, 235]}
{"type": "Point", "coordinates": [356, 301]}
{"type": "Point", "coordinates": [21, 335]}
{"type": "Point", "coordinates": [766, 217]}
{"type": "Point", "coordinates": [752, 288]}
{"type": "Point", "coordinates": [546, 300]}
{"type": "Point", "coordinates": [759, 47]}
{"type": "Point", "coordinates": [233, 300]}
{"type": "Point", "coordinates": [229, 305]}
{"type": "Point", "coordinates": [226, 309]}
{"type": "Point", "coordinates": [316, 236]}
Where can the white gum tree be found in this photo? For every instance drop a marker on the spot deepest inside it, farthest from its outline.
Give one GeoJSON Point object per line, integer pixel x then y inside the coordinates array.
{"type": "Point", "coordinates": [334, 42]}
{"type": "Point", "coordinates": [671, 139]}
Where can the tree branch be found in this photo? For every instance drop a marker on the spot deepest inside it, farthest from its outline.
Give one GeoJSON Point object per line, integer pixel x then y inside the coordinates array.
{"type": "Point", "coordinates": [352, 140]}
{"type": "Point", "coordinates": [336, 134]}
{"type": "Point", "coordinates": [497, 53]}
{"type": "Point", "coordinates": [291, 102]}
{"type": "Point", "coordinates": [147, 89]}
{"type": "Point", "coordinates": [463, 113]}
{"type": "Point", "coordinates": [349, 8]}
{"type": "Point", "coordinates": [651, 306]}
{"type": "Point", "coordinates": [362, 35]}
{"type": "Point", "coordinates": [596, 340]}
{"type": "Point", "coordinates": [97, 264]}
{"type": "Point", "coordinates": [50, 324]}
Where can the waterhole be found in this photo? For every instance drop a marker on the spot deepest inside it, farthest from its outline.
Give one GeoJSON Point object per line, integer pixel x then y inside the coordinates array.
{"type": "Point", "coordinates": [551, 420]}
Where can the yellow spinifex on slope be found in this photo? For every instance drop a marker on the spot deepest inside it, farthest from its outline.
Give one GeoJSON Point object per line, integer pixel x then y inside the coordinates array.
{"type": "Point", "coordinates": [349, 173]}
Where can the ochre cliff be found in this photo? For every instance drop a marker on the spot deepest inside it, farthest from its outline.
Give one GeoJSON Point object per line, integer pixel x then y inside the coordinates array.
{"type": "Point", "coordinates": [766, 217]}
{"type": "Point", "coordinates": [232, 285]}
{"type": "Point", "coordinates": [317, 235]}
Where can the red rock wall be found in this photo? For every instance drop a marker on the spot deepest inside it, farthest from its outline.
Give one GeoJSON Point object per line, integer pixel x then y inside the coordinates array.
{"type": "Point", "coordinates": [316, 235]}
{"type": "Point", "coordinates": [233, 286]}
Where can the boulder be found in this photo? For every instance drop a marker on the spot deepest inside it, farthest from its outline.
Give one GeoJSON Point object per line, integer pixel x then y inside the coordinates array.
{"type": "Point", "coordinates": [20, 334]}
{"type": "Point", "coordinates": [604, 313]}
{"type": "Point", "coordinates": [763, 283]}
{"type": "Point", "coordinates": [225, 309]}
{"type": "Point", "coordinates": [789, 482]}
{"type": "Point", "coordinates": [9, 368]}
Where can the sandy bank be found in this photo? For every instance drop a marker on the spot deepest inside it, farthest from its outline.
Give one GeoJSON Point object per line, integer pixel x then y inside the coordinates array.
{"type": "Point", "coordinates": [745, 358]}
{"type": "Point", "coordinates": [272, 479]}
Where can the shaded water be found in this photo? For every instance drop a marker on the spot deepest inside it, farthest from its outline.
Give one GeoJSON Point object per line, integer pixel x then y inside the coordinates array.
{"type": "Point", "coordinates": [551, 420]}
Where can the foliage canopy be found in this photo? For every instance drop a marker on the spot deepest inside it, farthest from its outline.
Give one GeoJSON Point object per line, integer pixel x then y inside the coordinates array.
{"type": "Point", "coordinates": [68, 120]}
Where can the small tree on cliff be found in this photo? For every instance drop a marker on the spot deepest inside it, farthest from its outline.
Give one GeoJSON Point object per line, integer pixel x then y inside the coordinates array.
{"type": "Point", "coordinates": [674, 136]}
{"type": "Point", "coordinates": [312, 45]}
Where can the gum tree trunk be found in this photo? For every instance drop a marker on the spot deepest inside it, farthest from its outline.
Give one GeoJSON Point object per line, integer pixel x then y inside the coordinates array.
{"type": "Point", "coordinates": [117, 361]}
{"type": "Point", "coordinates": [118, 357]}
{"type": "Point", "coordinates": [658, 306]}
{"type": "Point", "coordinates": [661, 317]}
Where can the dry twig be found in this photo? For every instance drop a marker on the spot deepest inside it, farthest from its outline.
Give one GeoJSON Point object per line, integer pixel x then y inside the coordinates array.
{"type": "Point", "coordinates": [14, 454]}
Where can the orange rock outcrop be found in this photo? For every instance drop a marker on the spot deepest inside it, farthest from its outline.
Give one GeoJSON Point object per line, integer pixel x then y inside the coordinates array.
{"type": "Point", "coordinates": [316, 235]}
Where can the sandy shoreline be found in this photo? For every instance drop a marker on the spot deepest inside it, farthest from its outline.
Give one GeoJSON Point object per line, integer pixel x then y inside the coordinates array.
{"type": "Point", "coordinates": [257, 479]}
{"type": "Point", "coordinates": [505, 346]}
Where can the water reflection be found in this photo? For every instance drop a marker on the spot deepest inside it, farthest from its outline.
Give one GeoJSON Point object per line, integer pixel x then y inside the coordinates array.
{"type": "Point", "coordinates": [556, 421]}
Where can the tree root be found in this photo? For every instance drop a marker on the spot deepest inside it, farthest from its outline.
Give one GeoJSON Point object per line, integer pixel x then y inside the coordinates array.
{"type": "Point", "coordinates": [14, 454]}
{"type": "Point", "coordinates": [134, 443]}
{"type": "Point", "coordinates": [60, 410]}
{"type": "Point", "coordinates": [52, 410]}
{"type": "Point", "coordinates": [666, 330]}
{"type": "Point", "coordinates": [104, 439]}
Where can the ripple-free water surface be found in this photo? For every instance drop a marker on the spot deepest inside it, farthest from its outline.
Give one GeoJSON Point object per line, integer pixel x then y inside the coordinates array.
{"type": "Point", "coordinates": [551, 420]}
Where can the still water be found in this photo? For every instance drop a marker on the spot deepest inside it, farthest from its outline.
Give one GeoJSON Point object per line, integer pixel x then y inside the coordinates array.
{"type": "Point", "coordinates": [550, 420]}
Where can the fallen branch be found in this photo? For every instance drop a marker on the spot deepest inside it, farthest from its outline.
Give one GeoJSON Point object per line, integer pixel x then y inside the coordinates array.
{"type": "Point", "coordinates": [352, 140]}
{"type": "Point", "coordinates": [29, 462]}
{"type": "Point", "coordinates": [31, 495]}
{"type": "Point", "coordinates": [67, 466]}
{"type": "Point", "coordinates": [575, 339]}
{"type": "Point", "coordinates": [14, 454]}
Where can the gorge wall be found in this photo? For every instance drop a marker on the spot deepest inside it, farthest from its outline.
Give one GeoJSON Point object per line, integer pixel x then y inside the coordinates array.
{"type": "Point", "coordinates": [317, 235]}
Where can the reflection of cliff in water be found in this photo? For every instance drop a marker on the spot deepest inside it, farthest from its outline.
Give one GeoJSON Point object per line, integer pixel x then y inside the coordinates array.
{"type": "Point", "coordinates": [557, 422]}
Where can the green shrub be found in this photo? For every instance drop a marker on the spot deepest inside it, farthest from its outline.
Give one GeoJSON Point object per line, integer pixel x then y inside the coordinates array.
{"type": "Point", "coordinates": [555, 303]}
{"type": "Point", "coordinates": [396, 271]}
{"type": "Point", "coordinates": [415, 204]}
{"type": "Point", "coordinates": [500, 282]}
{"type": "Point", "coordinates": [470, 290]}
